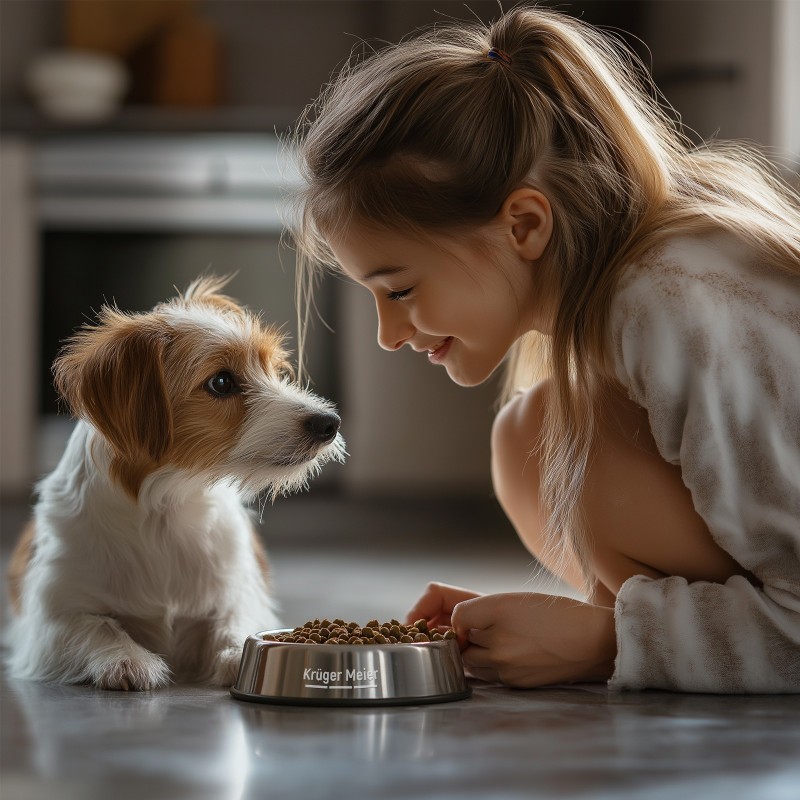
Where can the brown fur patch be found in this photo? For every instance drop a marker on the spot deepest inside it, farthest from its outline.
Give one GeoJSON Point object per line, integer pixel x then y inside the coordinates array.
{"type": "Point", "coordinates": [112, 374]}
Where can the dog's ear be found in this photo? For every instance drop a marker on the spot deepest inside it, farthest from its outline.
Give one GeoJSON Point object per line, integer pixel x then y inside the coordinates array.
{"type": "Point", "coordinates": [112, 374]}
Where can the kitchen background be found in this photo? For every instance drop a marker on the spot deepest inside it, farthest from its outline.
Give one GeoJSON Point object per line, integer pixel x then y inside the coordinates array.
{"type": "Point", "coordinates": [127, 175]}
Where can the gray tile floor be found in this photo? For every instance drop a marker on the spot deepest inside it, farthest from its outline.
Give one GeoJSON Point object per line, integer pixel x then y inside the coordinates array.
{"type": "Point", "coordinates": [367, 559]}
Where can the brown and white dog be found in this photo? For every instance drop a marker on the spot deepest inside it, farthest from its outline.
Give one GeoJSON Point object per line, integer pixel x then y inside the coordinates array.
{"type": "Point", "coordinates": [141, 563]}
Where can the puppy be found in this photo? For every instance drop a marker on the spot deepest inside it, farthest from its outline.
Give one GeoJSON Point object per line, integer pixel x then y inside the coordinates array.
{"type": "Point", "coordinates": [141, 564]}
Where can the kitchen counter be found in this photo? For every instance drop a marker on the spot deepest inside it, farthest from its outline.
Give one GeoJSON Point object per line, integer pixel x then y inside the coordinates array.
{"type": "Point", "coordinates": [26, 120]}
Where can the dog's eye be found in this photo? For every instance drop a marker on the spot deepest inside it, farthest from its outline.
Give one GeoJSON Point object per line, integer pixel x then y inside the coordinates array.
{"type": "Point", "coordinates": [222, 384]}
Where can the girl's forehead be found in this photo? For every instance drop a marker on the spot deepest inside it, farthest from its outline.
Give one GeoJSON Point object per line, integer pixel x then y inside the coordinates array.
{"type": "Point", "coordinates": [365, 243]}
{"type": "Point", "coordinates": [367, 256]}
{"type": "Point", "coordinates": [360, 258]}
{"type": "Point", "coordinates": [360, 249]}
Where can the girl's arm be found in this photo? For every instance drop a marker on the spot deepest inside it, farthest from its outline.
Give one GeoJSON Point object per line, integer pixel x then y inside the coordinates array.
{"type": "Point", "coordinates": [525, 639]}
{"type": "Point", "coordinates": [516, 479]}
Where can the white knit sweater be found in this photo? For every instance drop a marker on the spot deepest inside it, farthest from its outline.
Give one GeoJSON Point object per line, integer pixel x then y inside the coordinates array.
{"type": "Point", "coordinates": [708, 341]}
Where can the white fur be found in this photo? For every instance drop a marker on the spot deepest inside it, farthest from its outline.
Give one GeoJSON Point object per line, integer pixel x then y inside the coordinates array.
{"type": "Point", "coordinates": [269, 406]}
{"type": "Point", "coordinates": [130, 593]}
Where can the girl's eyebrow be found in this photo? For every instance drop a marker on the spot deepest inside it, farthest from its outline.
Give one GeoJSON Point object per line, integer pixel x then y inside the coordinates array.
{"type": "Point", "coordinates": [389, 269]}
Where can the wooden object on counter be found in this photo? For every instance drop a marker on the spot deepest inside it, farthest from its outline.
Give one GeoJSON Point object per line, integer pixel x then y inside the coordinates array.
{"type": "Point", "coordinates": [119, 28]}
{"type": "Point", "coordinates": [174, 56]}
{"type": "Point", "coordinates": [189, 66]}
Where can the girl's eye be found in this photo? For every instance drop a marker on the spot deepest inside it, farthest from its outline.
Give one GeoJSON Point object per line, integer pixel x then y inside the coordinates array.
{"type": "Point", "coordinates": [399, 295]}
{"type": "Point", "coordinates": [223, 384]}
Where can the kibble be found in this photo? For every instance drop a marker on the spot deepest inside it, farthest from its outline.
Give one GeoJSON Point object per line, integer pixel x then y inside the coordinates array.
{"type": "Point", "coordinates": [338, 631]}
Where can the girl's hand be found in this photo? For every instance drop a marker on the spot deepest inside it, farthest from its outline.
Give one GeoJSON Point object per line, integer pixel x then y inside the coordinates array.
{"type": "Point", "coordinates": [436, 606]}
{"type": "Point", "coordinates": [527, 640]}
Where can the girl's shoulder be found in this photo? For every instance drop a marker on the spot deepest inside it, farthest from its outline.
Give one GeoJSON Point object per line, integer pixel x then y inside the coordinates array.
{"type": "Point", "coordinates": [705, 278]}
{"type": "Point", "coordinates": [714, 258]}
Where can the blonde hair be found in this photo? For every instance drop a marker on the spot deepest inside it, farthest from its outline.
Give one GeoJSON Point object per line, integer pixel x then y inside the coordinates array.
{"type": "Point", "coordinates": [432, 135]}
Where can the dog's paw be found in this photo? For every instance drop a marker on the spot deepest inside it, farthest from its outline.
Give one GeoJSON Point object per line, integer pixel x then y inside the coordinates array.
{"type": "Point", "coordinates": [133, 674]}
{"type": "Point", "coordinates": [226, 667]}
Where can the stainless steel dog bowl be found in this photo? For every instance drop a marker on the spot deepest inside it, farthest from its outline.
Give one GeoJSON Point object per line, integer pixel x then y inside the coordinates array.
{"type": "Point", "coordinates": [349, 675]}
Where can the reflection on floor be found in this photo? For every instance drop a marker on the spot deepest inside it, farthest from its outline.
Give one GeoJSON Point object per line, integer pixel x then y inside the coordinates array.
{"type": "Point", "coordinates": [365, 559]}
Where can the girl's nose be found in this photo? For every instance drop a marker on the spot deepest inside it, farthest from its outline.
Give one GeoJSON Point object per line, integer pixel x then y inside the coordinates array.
{"type": "Point", "coordinates": [394, 329]}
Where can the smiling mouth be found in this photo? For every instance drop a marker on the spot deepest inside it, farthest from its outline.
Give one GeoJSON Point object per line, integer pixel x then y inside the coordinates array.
{"type": "Point", "coordinates": [437, 354]}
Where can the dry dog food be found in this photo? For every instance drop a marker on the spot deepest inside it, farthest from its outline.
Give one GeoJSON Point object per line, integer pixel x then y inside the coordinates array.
{"type": "Point", "coordinates": [338, 631]}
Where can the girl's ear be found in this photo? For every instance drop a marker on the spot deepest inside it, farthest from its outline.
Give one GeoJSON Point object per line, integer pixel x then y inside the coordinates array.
{"type": "Point", "coordinates": [113, 375]}
{"type": "Point", "coordinates": [528, 214]}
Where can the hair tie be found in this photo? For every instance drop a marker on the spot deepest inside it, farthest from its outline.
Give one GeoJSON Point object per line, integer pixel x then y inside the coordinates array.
{"type": "Point", "coordinates": [499, 55]}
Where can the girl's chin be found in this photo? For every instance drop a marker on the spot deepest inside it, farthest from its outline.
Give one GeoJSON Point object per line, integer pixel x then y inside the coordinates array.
{"type": "Point", "coordinates": [467, 378]}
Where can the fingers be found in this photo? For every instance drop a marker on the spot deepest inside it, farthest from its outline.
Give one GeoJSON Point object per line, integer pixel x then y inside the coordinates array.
{"type": "Point", "coordinates": [464, 624]}
{"type": "Point", "coordinates": [478, 664]}
{"type": "Point", "coordinates": [429, 607]}
{"type": "Point", "coordinates": [477, 613]}
{"type": "Point", "coordinates": [481, 638]}
{"type": "Point", "coordinates": [479, 658]}
{"type": "Point", "coordinates": [437, 603]}
{"type": "Point", "coordinates": [487, 675]}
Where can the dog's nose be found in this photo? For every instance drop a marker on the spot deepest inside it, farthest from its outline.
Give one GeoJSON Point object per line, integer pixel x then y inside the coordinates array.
{"type": "Point", "coordinates": [323, 426]}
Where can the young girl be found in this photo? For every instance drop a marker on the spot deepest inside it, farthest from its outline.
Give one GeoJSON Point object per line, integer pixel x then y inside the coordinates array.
{"type": "Point", "coordinates": [514, 194]}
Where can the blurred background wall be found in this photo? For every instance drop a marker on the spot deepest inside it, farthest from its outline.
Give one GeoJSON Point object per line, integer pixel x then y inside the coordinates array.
{"type": "Point", "coordinates": [126, 176]}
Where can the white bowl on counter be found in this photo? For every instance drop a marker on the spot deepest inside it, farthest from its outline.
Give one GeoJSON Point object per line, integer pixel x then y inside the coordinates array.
{"type": "Point", "coordinates": [77, 86]}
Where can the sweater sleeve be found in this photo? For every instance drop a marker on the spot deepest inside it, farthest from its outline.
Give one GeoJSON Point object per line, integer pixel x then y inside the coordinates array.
{"type": "Point", "coordinates": [713, 354]}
